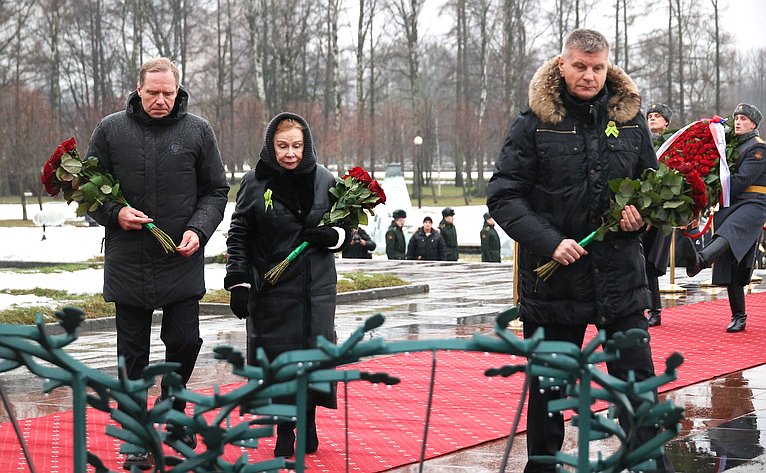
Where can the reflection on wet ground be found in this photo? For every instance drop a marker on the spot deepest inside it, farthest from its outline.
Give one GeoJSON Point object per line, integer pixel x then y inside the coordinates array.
{"type": "Point", "coordinates": [724, 420]}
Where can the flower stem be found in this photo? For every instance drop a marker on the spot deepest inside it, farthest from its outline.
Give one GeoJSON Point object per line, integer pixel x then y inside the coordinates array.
{"type": "Point", "coordinates": [273, 275]}
{"type": "Point", "coordinates": [545, 271]}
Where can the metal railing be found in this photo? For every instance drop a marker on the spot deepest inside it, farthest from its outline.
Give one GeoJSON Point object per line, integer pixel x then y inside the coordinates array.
{"type": "Point", "coordinates": [558, 366]}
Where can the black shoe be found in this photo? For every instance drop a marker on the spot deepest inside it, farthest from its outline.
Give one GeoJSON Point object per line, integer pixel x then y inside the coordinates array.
{"type": "Point", "coordinates": [285, 446]}
{"type": "Point", "coordinates": [189, 439]}
{"type": "Point", "coordinates": [692, 260]}
{"type": "Point", "coordinates": [655, 319]}
{"type": "Point", "coordinates": [737, 324]}
{"type": "Point", "coordinates": [144, 461]}
{"type": "Point", "coordinates": [186, 437]}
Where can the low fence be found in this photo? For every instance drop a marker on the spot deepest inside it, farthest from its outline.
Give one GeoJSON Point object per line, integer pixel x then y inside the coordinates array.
{"type": "Point", "coordinates": [559, 365]}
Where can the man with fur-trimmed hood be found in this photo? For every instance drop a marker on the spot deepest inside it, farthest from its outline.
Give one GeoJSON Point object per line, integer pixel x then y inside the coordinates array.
{"type": "Point", "coordinates": [582, 128]}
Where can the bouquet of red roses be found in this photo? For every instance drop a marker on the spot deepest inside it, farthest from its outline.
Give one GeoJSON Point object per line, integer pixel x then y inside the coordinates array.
{"type": "Point", "coordinates": [693, 175]}
{"type": "Point", "coordinates": [354, 195]}
{"type": "Point", "coordinates": [84, 182]}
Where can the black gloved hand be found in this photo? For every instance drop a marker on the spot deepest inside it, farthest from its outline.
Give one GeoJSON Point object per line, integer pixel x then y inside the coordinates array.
{"type": "Point", "coordinates": [238, 297]}
{"type": "Point", "coordinates": [323, 237]}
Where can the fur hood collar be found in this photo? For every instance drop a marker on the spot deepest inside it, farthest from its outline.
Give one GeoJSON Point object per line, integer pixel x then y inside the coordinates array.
{"type": "Point", "coordinates": [545, 98]}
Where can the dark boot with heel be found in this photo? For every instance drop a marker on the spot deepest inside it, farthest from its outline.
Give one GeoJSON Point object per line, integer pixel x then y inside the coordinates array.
{"type": "Point", "coordinates": [696, 262]}
{"type": "Point", "coordinates": [737, 305]}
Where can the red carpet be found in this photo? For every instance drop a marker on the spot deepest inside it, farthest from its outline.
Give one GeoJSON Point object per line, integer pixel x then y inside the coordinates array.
{"type": "Point", "coordinates": [386, 423]}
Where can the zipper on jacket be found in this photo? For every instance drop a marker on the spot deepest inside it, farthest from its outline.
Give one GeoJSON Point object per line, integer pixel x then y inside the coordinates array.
{"type": "Point", "coordinates": [562, 132]}
{"type": "Point", "coordinates": [627, 126]}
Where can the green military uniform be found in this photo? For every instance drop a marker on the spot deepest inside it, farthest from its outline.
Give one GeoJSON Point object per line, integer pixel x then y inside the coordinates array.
{"type": "Point", "coordinates": [490, 244]}
{"type": "Point", "coordinates": [396, 245]}
{"type": "Point", "coordinates": [449, 235]}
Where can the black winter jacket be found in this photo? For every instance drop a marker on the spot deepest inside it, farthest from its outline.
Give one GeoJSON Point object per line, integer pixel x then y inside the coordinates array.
{"type": "Point", "coordinates": [171, 169]}
{"type": "Point", "coordinates": [427, 247]}
{"type": "Point", "coordinates": [551, 183]}
{"type": "Point", "coordinates": [301, 305]}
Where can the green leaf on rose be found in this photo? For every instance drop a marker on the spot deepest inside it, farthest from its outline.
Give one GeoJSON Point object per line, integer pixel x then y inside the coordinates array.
{"type": "Point", "coordinates": [82, 209]}
{"type": "Point", "coordinates": [63, 176]}
{"type": "Point", "coordinates": [673, 204]}
{"type": "Point", "coordinates": [71, 165]}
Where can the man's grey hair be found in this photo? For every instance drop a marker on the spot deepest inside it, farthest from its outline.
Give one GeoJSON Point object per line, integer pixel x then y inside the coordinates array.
{"type": "Point", "coordinates": [585, 40]}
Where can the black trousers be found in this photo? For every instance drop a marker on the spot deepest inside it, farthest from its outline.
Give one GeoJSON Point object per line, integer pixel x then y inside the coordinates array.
{"type": "Point", "coordinates": [654, 288]}
{"type": "Point", "coordinates": [736, 299]}
{"type": "Point", "coordinates": [179, 333]}
{"type": "Point", "coordinates": [545, 434]}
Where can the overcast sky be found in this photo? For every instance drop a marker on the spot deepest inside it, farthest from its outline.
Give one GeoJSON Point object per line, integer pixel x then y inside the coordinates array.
{"type": "Point", "coordinates": [745, 19]}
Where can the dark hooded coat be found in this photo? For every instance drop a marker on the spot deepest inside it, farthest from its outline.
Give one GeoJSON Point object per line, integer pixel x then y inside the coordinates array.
{"type": "Point", "coordinates": [171, 169]}
{"type": "Point", "coordinates": [551, 183]}
{"type": "Point", "coordinates": [291, 314]}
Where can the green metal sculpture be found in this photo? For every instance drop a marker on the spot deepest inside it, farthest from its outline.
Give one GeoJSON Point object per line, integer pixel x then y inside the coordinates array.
{"type": "Point", "coordinates": [560, 365]}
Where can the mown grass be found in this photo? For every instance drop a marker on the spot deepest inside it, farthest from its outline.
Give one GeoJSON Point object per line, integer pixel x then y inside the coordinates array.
{"type": "Point", "coordinates": [61, 267]}
{"type": "Point", "coordinates": [347, 282]}
{"type": "Point", "coordinates": [94, 305]}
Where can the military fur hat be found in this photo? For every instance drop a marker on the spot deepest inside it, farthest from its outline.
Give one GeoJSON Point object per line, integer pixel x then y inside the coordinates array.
{"type": "Point", "coordinates": [749, 111]}
{"type": "Point", "coordinates": [448, 211]}
{"type": "Point", "coordinates": [662, 109]}
{"type": "Point", "coordinates": [399, 213]}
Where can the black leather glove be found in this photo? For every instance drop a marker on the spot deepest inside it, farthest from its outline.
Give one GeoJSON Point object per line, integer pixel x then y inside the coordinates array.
{"type": "Point", "coordinates": [323, 237]}
{"type": "Point", "coordinates": [238, 297]}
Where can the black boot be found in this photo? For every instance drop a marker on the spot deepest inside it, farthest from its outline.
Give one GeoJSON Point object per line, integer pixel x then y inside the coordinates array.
{"type": "Point", "coordinates": [696, 262]}
{"type": "Point", "coordinates": [737, 323]}
{"type": "Point", "coordinates": [285, 446]}
{"type": "Point", "coordinates": [737, 304]}
{"type": "Point", "coordinates": [312, 439]}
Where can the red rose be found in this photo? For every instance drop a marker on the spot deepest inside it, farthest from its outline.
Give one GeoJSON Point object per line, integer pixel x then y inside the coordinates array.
{"type": "Point", "coordinates": [69, 145]}
{"type": "Point", "coordinates": [52, 189]}
{"type": "Point", "coordinates": [55, 158]}
{"type": "Point", "coordinates": [375, 187]}
{"type": "Point", "coordinates": [360, 175]}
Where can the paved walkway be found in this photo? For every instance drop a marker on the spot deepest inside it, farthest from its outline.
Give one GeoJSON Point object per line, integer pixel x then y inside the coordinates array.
{"type": "Point", "coordinates": [725, 417]}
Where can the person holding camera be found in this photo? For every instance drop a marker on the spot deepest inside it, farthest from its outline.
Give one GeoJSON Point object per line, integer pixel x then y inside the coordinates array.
{"type": "Point", "coordinates": [361, 245]}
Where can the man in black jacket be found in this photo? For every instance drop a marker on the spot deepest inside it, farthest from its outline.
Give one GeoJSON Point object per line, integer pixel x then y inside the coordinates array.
{"type": "Point", "coordinates": [171, 173]}
{"type": "Point", "coordinates": [582, 127]}
{"type": "Point", "coordinates": [427, 244]}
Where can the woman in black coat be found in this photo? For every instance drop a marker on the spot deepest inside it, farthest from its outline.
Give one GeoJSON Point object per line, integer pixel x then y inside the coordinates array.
{"type": "Point", "coordinates": [279, 205]}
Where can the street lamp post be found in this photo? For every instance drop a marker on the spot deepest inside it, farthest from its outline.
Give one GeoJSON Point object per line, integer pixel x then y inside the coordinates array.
{"type": "Point", "coordinates": [418, 141]}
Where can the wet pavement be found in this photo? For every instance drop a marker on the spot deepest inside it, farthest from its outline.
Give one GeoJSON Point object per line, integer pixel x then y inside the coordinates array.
{"type": "Point", "coordinates": [725, 418]}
